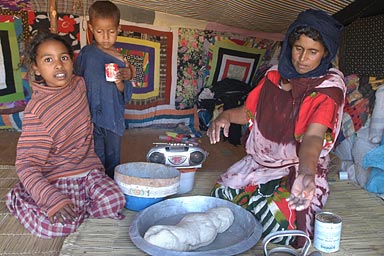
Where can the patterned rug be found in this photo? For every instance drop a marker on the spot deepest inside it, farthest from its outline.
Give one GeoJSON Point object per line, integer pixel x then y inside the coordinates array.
{"type": "Point", "coordinates": [362, 215]}
{"type": "Point", "coordinates": [14, 239]}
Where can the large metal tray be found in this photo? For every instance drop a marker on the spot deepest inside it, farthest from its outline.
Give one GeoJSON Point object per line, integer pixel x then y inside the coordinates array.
{"type": "Point", "coordinates": [244, 233]}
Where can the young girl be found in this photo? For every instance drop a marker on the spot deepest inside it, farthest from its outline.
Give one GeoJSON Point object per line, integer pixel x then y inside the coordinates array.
{"type": "Point", "coordinates": [62, 181]}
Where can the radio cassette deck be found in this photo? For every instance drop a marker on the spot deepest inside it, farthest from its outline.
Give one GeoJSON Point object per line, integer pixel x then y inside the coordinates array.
{"type": "Point", "coordinates": [177, 154]}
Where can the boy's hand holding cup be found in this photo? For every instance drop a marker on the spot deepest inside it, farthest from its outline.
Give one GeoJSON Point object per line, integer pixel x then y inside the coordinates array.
{"type": "Point", "coordinates": [115, 74]}
{"type": "Point", "coordinates": [129, 72]}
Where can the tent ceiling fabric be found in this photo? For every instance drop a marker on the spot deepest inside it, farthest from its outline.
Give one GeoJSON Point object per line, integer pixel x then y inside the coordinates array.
{"type": "Point", "coordinates": [272, 16]}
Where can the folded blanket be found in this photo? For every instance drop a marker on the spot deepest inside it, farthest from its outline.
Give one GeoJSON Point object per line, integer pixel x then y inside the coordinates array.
{"type": "Point", "coordinates": [374, 158]}
{"type": "Point", "coordinates": [376, 127]}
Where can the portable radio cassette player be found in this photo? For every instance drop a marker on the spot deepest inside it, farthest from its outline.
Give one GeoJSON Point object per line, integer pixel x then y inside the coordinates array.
{"type": "Point", "coordinates": [177, 154]}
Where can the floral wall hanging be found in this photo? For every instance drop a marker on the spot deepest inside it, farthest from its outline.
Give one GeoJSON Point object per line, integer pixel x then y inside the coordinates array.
{"type": "Point", "coordinates": [190, 57]}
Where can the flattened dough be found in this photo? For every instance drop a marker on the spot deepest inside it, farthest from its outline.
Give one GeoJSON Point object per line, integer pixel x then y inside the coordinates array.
{"type": "Point", "coordinates": [193, 231]}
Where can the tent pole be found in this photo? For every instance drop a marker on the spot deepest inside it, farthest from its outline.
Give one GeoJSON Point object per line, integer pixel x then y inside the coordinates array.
{"type": "Point", "coordinates": [53, 16]}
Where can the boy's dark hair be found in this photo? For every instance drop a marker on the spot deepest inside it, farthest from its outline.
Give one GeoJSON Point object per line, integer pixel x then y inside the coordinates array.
{"type": "Point", "coordinates": [31, 47]}
{"type": "Point", "coordinates": [309, 32]}
{"type": "Point", "coordinates": [104, 10]}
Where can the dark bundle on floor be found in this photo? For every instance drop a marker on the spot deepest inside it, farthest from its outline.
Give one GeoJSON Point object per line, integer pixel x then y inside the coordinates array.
{"type": "Point", "coordinates": [232, 93]}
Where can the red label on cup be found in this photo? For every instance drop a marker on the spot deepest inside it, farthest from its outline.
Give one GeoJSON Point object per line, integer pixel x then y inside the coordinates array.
{"type": "Point", "coordinates": [111, 71]}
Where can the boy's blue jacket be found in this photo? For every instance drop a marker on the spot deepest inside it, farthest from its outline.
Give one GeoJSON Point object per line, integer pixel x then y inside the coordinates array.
{"type": "Point", "coordinates": [106, 103]}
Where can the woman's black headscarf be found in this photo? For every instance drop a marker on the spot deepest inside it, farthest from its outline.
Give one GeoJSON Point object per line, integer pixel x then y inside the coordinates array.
{"type": "Point", "coordinates": [330, 30]}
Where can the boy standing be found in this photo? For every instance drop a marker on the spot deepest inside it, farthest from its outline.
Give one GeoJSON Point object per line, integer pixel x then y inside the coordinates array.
{"type": "Point", "coordinates": [106, 99]}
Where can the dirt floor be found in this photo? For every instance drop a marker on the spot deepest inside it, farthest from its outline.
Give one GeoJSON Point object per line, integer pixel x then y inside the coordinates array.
{"type": "Point", "coordinates": [135, 146]}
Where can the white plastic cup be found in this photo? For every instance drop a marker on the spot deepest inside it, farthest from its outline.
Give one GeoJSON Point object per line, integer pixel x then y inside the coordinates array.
{"type": "Point", "coordinates": [187, 180]}
{"type": "Point", "coordinates": [111, 70]}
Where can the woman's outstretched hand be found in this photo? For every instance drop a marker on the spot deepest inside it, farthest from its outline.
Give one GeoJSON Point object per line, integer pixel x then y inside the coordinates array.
{"type": "Point", "coordinates": [215, 129]}
{"type": "Point", "coordinates": [302, 192]}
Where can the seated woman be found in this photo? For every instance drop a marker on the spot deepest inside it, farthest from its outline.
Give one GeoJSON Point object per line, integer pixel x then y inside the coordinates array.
{"type": "Point", "coordinates": [294, 117]}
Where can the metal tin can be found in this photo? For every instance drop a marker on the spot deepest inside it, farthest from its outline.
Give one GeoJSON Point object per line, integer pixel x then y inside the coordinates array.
{"type": "Point", "coordinates": [327, 232]}
{"type": "Point", "coordinates": [111, 71]}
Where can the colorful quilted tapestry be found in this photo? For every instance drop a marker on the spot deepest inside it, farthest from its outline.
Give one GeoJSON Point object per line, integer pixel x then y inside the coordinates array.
{"type": "Point", "coordinates": [11, 88]}
{"type": "Point", "coordinates": [150, 51]}
{"type": "Point", "coordinates": [11, 121]}
{"type": "Point", "coordinates": [162, 116]}
{"type": "Point", "coordinates": [14, 88]}
{"type": "Point", "coordinates": [230, 55]}
{"type": "Point", "coordinates": [230, 60]}
{"type": "Point", "coordinates": [145, 56]}
{"type": "Point", "coordinates": [16, 5]}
